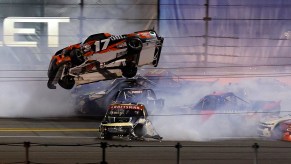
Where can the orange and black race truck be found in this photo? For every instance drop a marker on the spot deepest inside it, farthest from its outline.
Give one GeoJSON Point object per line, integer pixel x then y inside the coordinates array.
{"type": "Point", "coordinates": [127, 120]}
{"type": "Point", "coordinates": [104, 56]}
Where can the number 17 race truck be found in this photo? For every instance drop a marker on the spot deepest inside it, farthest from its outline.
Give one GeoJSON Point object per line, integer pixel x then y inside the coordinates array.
{"type": "Point", "coordinates": [104, 56]}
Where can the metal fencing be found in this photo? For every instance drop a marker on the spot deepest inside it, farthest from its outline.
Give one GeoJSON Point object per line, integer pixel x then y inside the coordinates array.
{"type": "Point", "coordinates": [104, 149]}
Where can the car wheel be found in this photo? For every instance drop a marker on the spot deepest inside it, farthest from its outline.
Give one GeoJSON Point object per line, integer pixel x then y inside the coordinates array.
{"type": "Point", "coordinates": [77, 57]}
{"type": "Point", "coordinates": [67, 82]}
{"type": "Point", "coordinates": [139, 130]}
{"type": "Point", "coordinates": [52, 69]}
{"type": "Point", "coordinates": [134, 45]}
{"type": "Point", "coordinates": [129, 71]}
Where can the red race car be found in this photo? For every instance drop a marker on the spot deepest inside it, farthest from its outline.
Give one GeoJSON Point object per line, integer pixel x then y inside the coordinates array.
{"type": "Point", "coordinates": [104, 56]}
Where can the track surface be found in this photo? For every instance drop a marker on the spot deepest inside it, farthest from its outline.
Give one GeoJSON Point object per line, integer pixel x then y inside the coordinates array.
{"type": "Point", "coordinates": [74, 140]}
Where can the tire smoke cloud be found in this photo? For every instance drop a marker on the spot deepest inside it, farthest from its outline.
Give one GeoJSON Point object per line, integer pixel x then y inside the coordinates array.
{"type": "Point", "coordinates": [34, 99]}
{"type": "Point", "coordinates": [177, 121]}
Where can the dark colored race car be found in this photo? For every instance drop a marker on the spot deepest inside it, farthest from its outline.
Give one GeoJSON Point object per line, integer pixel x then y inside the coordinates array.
{"type": "Point", "coordinates": [125, 91]}
{"type": "Point", "coordinates": [104, 56]}
{"type": "Point", "coordinates": [229, 104]}
{"type": "Point", "coordinates": [127, 120]}
{"type": "Point", "coordinates": [93, 99]}
{"type": "Point", "coordinates": [145, 96]}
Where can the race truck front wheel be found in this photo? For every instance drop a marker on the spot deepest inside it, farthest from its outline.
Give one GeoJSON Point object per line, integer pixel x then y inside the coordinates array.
{"type": "Point", "coordinates": [67, 82]}
{"type": "Point", "coordinates": [77, 57]}
{"type": "Point", "coordinates": [139, 130]}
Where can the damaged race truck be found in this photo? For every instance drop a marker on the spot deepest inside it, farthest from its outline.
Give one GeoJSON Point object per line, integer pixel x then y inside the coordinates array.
{"type": "Point", "coordinates": [104, 56]}
{"type": "Point", "coordinates": [127, 120]}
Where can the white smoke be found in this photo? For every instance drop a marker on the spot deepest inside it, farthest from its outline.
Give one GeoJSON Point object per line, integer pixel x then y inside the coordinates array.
{"type": "Point", "coordinates": [176, 122]}
{"type": "Point", "coordinates": [34, 99]}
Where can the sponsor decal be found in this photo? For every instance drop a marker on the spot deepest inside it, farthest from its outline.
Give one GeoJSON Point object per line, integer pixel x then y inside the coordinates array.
{"type": "Point", "coordinates": [136, 91]}
{"type": "Point", "coordinates": [98, 46]}
{"type": "Point", "coordinates": [125, 107]}
{"type": "Point", "coordinates": [117, 37]}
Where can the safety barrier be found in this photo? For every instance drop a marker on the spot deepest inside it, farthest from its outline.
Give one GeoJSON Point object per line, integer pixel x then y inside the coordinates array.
{"type": "Point", "coordinates": [104, 146]}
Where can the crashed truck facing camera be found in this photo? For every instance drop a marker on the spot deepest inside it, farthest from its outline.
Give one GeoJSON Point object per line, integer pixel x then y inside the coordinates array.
{"type": "Point", "coordinates": [127, 120]}
{"type": "Point", "coordinates": [104, 56]}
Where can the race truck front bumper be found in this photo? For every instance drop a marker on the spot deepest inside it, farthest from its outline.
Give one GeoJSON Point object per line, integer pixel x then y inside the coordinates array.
{"type": "Point", "coordinates": [117, 129]}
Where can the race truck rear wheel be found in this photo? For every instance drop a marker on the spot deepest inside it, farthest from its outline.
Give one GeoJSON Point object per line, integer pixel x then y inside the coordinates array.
{"type": "Point", "coordinates": [134, 45]}
{"type": "Point", "coordinates": [67, 82]}
{"type": "Point", "coordinates": [129, 70]}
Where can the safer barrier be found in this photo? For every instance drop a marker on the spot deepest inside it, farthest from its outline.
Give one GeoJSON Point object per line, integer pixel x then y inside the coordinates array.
{"type": "Point", "coordinates": [104, 146]}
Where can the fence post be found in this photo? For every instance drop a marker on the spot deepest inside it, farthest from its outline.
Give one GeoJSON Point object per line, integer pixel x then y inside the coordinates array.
{"type": "Point", "coordinates": [256, 147]}
{"type": "Point", "coordinates": [178, 146]}
{"type": "Point", "coordinates": [26, 146]}
{"type": "Point", "coordinates": [103, 146]}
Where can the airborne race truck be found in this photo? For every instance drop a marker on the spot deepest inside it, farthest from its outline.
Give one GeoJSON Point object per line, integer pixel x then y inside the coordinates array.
{"type": "Point", "coordinates": [127, 120]}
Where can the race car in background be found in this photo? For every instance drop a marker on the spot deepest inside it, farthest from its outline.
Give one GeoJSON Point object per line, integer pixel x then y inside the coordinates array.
{"type": "Point", "coordinates": [232, 106]}
{"type": "Point", "coordinates": [145, 96]}
{"type": "Point", "coordinates": [132, 90]}
{"type": "Point", "coordinates": [277, 128]}
{"type": "Point", "coordinates": [104, 56]}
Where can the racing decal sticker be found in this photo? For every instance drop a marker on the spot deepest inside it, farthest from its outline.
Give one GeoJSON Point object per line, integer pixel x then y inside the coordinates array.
{"type": "Point", "coordinates": [125, 107]}
{"type": "Point", "coordinates": [116, 37]}
{"type": "Point", "coordinates": [98, 46]}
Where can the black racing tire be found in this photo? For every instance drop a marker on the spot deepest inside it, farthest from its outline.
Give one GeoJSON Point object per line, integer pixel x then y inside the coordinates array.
{"type": "Point", "coordinates": [67, 82]}
{"type": "Point", "coordinates": [77, 57]}
{"type": "Point", "coordinates": [139, 130]}
{"type": "Point", "coordinates": [129, 71]}
{"type": "Point", "coordinates": [134, 45]}
{"type": "Point", "coordinates": [52, 69]}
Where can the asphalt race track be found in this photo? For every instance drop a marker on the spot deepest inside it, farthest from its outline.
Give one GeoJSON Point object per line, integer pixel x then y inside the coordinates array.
{"type": "Point", "coordinates": [75, 140]}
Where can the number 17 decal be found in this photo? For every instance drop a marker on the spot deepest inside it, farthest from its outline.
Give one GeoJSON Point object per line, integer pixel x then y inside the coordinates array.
{"type": "Point", "coordinates": [98, 44]}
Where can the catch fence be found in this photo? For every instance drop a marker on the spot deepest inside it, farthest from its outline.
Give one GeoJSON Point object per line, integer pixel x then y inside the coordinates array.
{"type": "Point", "coordinates": [105, 153]}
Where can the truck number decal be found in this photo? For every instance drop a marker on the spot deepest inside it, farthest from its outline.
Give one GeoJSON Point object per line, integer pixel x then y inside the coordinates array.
{"type": "Point", "coordinates": [98, 46]}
